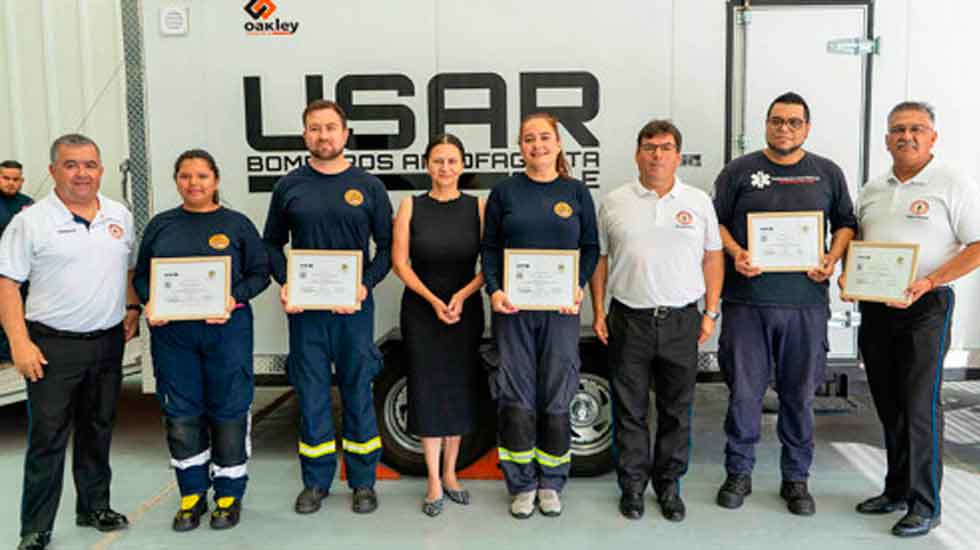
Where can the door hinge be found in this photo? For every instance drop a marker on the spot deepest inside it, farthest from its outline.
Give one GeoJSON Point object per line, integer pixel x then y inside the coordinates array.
{"type": "Point", "coordinates": [855, 46]}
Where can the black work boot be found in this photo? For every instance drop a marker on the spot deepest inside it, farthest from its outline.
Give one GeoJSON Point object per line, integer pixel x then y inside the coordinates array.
{"type": "Point", "coordinates": [188, 517]}
{"type": "Point", "coordinates": [365, 500]}
{"type": "Point", "coordinates": [308, 500]}
{"type": "Point", "coordinates": [669, 498]}
{"type": "Point", "coordinates": [797, 497]}
{"type": "Point", "coordinates": [227, 514]}
{"type": "Point", "coordinates": [734, 490]}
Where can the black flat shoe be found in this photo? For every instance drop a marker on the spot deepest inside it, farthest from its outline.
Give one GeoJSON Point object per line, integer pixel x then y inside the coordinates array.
{"type": "Point", "coordinates": [914, 525]}
{"type": "Point", "coordinates": [459, 497]}
{"type": "Point", "coordinates": [433, 508]}
{"type": "Point", "coordinates": [188, 517]}
{"type": "Point", "coordinates": [103, 520]}
{"type": "Point", "coordinates": [631, 505]}
{"type": "Point", "coordinates": [881, 504]}
{"type": "Point", "coordinates": [227, 514]}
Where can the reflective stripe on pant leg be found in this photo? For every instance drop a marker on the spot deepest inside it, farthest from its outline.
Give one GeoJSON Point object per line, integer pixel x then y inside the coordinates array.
{"type": "Point", "coordinates": [515, 387]}
{"type": "Point", "coordinates": [190, 452]}
{"type": "Point", "coordinates": [310, 373]}
{"type": "Point", "coordinates": [230, 462]}
{"type": "Point", "coordinates": [358, 361]}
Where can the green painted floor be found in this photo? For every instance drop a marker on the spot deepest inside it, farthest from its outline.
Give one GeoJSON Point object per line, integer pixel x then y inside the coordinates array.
{"type": "Point", "coordinates": [849, 463]}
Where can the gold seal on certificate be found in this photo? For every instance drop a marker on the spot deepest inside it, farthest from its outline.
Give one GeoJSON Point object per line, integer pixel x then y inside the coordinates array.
{"type": "Point", "coordinates": [880, 272]}
{"type": "Point", "coordinates": [190, 288]}
{"type": "Point", "coordinates": [324, 279]}
{"type": "Point", "coordinates": [786, 241]}
{"type": "Point", "coordinates": [540, 279]}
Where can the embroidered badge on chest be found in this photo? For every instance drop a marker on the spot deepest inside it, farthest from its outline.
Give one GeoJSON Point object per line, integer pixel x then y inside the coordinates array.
{"type": "Point", "coordinates": [115, 231]}
{"type": "Point", "coordinates": [919, 207]}
{"type": "Point", "coordinates": [354, 197]}
{"type": "Point", "coordinates": [761, 180]}
{"type": "Point", "coordinates": [219, 241]}
{"type": "Point", "coordinates": [684, 218]}
{"type": "Point", "coordinates": [563, 209]}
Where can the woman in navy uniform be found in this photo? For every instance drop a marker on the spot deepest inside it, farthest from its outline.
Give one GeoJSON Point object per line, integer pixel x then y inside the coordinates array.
{"type": "Point", "coordinates": [543, 208]}
{"type": "Point", "coordinates": [203, 369]}
{"type": "Point", "coordinates": [435, 246]}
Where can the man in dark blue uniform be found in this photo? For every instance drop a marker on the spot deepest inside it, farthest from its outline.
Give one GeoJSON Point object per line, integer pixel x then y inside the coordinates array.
{"type": "Point", "coordinates": [331, 205]}
{"type": "Point", "coordinates": [12, 201]}
{"type": "Point", "coordinates": [774, 325]}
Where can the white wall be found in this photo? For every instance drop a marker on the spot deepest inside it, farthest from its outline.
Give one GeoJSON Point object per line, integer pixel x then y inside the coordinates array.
{"type": "Point", "coordinates": [61, 71]}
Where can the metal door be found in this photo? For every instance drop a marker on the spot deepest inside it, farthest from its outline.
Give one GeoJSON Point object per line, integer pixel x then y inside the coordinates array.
{"type": "Point", "coordinates": [820, 50]}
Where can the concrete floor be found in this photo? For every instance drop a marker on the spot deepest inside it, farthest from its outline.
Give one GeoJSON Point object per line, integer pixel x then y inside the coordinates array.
{"type": "Point", "coordinates": [848, 467]}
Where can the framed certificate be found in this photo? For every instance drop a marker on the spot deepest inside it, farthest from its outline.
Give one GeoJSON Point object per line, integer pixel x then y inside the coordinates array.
{"type": "Point", "coordinates": [324, 279]}
{"type": "Point", "coordinates": [880, 272]}
{"type": "Point", "coordinates": [786, 241]}
{"type": "Point", "coordinates": [540, 279]}
{"type": "Point", "coordinates": [190, 288]}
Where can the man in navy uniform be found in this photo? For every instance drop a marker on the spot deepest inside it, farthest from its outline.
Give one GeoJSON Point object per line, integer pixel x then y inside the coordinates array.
{"type": "Point", "coordinates": [12, 201]}
{"type": "Point", "coordinates": [331, 205]}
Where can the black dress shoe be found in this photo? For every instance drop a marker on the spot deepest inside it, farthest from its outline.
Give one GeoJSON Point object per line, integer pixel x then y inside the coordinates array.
{"type": "Point", "coordinates": [671, 505]}
{"type": "Point", "coordinates": [734, 490]}
{"type": "Point", "coordinates": [798, 498]}
{"type": "Point", "coordinates": [914, 525]}
{"type": "Point", "coordinates": [35, 541]}
{"type": "Point", "coordinates": [631, 505]}
{"type": "Point", "coordinates": [881, 504]}
{"type": "Point", "coordinates": [227, 514]}
{"type": "Point", "coordinates": [188, 518]}
{"type": "Point", "coordinates": [365, 500]}
{"type": "Point", "coordinates": [308, 500]}
{"type": "Point", "coordinates": [103, 520]}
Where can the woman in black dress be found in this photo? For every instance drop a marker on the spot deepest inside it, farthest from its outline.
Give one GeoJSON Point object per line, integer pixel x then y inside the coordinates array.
{"type": "Point", "coordinates": [434, 252]}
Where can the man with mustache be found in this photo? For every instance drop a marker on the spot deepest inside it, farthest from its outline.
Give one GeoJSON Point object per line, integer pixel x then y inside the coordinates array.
{"type": "Point", "coordinates": [774, 325]}
{"type": "Point", "coordinates": [920, 200]}
{"type": "Point", "coordinates": [330, 205]}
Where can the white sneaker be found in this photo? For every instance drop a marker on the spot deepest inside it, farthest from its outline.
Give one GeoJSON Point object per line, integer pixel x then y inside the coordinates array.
{"type": "Point", "coordinates": [522, 505]}
{"type": "Point", "coordinates": [549, 502]}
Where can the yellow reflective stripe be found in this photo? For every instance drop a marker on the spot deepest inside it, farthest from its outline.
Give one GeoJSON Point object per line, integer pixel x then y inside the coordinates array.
{"type": "Point", "coordinates": [316, 451]}
{"type": "Point", "coordinates": [519, 457]}
{"type": "Point", "coordinates": [369, 446]}
{"type": "Point", "coordinates": [550, 460]}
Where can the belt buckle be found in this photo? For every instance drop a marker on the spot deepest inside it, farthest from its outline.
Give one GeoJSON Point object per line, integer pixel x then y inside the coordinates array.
{"type": "Point", "coordinates": [661, 312]}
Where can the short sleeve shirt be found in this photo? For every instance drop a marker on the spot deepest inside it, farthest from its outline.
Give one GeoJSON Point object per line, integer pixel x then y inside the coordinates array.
{"type": "Point", "coordinates": [78, 274]}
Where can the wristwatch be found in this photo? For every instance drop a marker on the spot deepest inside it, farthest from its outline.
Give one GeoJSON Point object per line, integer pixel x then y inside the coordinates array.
{"type": "Point", "coordinates": [713, 315]}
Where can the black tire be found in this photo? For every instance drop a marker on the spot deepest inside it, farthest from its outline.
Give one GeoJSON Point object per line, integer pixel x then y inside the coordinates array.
{"type": "Point", "coordinates": [591, 415]}
{"type": "Point", "coordinates": [402, 450]}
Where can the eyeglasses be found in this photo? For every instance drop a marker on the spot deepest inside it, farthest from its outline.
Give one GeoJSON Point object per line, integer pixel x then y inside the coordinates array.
{"type": "Point", "coordinates": [778, 122]}
{"type": "Point", "coordinates": [915, 129]}
{"type": "Point", "coordinates": [654, 147]}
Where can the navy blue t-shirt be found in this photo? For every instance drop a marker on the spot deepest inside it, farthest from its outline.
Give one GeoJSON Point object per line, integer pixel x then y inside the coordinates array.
{"type": "Point", "coordinates": [330, 212]}
{"type": "Point", "coordinates": [753, 183]}
{"type": "Point", "coordinates": [10, 206]}
{"type": "Point", "coordinates": [522, 213]}
{"type": "Point", "coordinates": [223, 232]}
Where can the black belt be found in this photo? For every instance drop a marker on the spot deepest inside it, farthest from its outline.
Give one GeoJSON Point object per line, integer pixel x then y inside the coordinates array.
{"type": "Point", "coordinates": [659, 312]}
{"type": "Point", "coordinates": [45, 330]}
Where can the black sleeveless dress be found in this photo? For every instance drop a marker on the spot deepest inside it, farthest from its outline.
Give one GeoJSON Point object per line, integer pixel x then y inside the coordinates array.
{"type": "Point", "coordinates": [443, 360]}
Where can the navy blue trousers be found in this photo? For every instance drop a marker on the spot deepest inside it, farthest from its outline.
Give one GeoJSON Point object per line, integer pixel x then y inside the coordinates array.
{"type": "Point", "coordinates": [317, 339]}
{"type": "Point", "coordinates": [759, 344]}
{"type": "Point", "coordinates": [205, 385]}
{"type": "Point", "coordinates": [903, 352]}
{"type": "Point", "coordinates": [534, 386]}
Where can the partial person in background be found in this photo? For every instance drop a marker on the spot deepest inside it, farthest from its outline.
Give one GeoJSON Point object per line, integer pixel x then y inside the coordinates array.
{"type": "Point", "coordinates": [920, 200]}
{"type": "Point", "coordinates": [434, 252]}
{"type": "Point", "coordinates": [12, 201]}
{"type": "Point", "coordinates": [74, 247]}
{"type": "Point", "coordinates": [542, 208]}
{"type": "Point", "coordinates": [203, 369]}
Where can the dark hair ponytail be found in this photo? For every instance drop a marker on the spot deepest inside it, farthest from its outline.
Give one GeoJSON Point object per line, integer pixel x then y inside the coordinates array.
{"type": "Point", "coordinates": [206, 157]}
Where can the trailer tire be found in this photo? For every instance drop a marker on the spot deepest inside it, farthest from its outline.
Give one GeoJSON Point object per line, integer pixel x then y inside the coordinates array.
{"type": "Point", "coordinates": [402, 450]}
{"type": "Point", "coordinates": [591, 419]}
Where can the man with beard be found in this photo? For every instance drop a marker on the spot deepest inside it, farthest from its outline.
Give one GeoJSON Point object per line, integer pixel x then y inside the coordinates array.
{"type": "Point", "coordinates": [920, 200]}
{"type": "Point", "coordinates": [12, 201]}
{"type": "Point", "coordinates": [330, 205]}
{"type": "Point", "coordinates": [774, 325]}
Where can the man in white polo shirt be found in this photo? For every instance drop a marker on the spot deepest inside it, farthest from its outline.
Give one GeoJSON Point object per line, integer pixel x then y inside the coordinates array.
{"type": "Point", "coordinates": [67, 341]}
{"type": "Point", "coordinates": [660, 253]}
{"type": "Point", "coordinates": [922, 201]}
